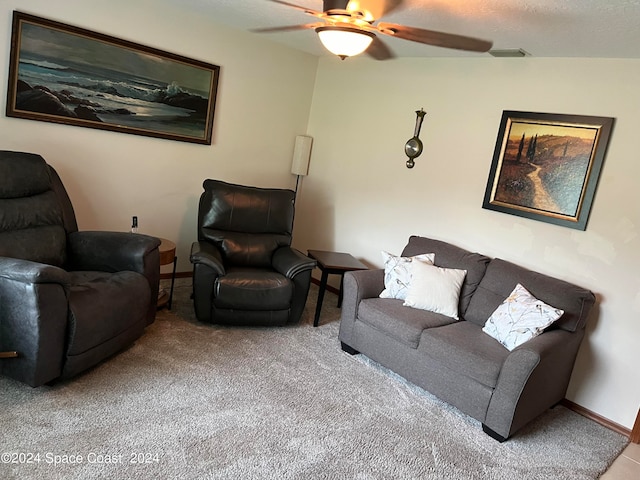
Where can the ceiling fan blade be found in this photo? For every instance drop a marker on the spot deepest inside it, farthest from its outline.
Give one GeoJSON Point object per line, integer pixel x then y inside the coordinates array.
{"type": "Point", "coordinates": [306, 10]}
{"type": "Point", "coordinates": [379, 50]}
{"type": "Point", "coordinates": [431, 37]}
{"type": "Point", "coordinates": [374, 9]}
{"type": "Point", "coordinates": [286, 28]}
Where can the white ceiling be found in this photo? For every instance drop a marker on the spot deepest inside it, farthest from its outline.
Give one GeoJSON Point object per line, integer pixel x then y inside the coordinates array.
{"type": "Point", "coordinates": [543, 28]}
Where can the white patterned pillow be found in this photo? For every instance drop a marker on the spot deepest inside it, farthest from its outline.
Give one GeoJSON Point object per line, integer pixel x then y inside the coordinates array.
{"type": "Point", "coordinates": [397, 273]}
{"type": "Point", "coordinates": [435, 289]}
{"type": "Point", "coordinates": [520, 318]}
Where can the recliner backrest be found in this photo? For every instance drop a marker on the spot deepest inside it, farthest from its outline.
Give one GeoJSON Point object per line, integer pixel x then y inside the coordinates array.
{"type": "Point", "coordinates": [32, 217]}
{"type": "Point", "coordinates": [246, 223]}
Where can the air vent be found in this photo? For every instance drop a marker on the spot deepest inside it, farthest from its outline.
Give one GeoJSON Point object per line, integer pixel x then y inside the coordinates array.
{"type": "Point", "coordinates": [509, 52]}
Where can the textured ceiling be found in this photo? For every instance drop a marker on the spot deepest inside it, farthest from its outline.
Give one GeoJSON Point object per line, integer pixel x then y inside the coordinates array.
{"type": "Point", "coordinates": [543, 28]}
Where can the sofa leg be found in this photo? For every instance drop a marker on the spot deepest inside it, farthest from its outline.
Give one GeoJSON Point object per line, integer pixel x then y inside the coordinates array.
{"type": "Point", "coordinates": [348, 349]}
{"type": "Point", "coordinates": [492, 434]}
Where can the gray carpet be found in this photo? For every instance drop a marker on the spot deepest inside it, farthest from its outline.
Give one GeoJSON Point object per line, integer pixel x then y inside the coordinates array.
{"type": "Point", "coordinates": [199, 401]}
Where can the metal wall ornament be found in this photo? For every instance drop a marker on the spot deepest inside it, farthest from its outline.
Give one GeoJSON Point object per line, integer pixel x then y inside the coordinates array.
{"type": "Point", "coordinates": [413, 147]}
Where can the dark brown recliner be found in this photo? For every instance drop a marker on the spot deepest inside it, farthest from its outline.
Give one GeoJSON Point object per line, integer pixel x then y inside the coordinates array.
{"type": "Point", "coordinates": [68, 299]}
{"type": "Point", "coordinates": [244, 269]}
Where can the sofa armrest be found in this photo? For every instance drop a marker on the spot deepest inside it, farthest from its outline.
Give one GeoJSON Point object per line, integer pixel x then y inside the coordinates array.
{"type": "Point", "coordinates": [368, 283]}
{"type": "Point", "coordinates": [534, 377]}
{"type": "Point", "coordinates": [357, 285]}
{"type": "Point", "coordinates": [290, 262]}
{"type": "Point", "coordinates": [33, 319]}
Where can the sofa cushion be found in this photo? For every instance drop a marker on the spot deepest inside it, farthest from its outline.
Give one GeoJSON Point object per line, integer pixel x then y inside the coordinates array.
{"type": "Point", "coordinates": [520, 318]}
{"type": "Point", "coordinates": [435, 289]}
{"type": "Point", "coordinates": [465, 349]}
{"type": "Point", "coordinates": [502, 277]}
{"type": "Point", "coordinates": [397, 273]}
{"type": "Point", "coordinates": [450, 256]}
{"type": "Point", "coordinates": [402, 323]}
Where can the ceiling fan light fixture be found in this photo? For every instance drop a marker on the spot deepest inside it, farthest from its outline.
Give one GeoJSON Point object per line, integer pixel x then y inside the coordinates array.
{"type": "Point", "coordinates": [344, 41]}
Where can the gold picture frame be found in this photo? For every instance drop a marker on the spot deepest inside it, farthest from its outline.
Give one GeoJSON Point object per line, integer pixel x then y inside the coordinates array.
{"type": "Point", "coordinates": [546, 166]}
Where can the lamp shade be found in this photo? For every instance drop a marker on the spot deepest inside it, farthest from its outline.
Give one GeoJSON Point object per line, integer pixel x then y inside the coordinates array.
{"type": "Point", "coordinates": [344, 41]}
{"type": "Point", "coordinates": [301, 155]}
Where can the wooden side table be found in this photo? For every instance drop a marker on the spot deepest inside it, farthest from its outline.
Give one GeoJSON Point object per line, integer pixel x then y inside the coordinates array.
{"type": "Point", "coordinates": [167, 256]}
{"type": "Point", "coordinates": [332, 263]}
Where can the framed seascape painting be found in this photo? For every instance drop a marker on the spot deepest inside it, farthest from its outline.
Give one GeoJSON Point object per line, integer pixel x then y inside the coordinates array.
{"type": "Point", "coordinates": [65, 74]}
{"type": "Point", "coordinates": [546, 166]}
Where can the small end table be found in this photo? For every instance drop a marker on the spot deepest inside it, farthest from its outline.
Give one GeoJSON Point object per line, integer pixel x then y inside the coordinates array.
{"type": "Point", "coordinates": [332, 263]}
{"type": "Point", "coordinates": [167, 256]}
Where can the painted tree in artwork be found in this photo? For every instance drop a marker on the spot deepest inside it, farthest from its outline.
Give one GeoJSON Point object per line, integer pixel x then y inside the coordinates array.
{"type": "Point", "coordinates": [531, 151]}
{"type": "Point", "coordinates": [520, 147]}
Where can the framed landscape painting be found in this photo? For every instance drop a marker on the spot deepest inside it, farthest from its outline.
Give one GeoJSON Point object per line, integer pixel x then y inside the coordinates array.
{"type": "Point", "coordinates": [546, 166]}
{"type": "Point", "coordinates": [65, 74]}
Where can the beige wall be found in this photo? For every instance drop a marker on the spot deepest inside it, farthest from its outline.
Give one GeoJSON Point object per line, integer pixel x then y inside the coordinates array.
{"type": "Point", "coordinates": [264, 98]}
{"type": "Point", "coordinates": [359, 197]}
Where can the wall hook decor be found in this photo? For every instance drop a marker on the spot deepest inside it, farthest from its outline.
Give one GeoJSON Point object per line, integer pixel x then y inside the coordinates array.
{"type": "Point", "coordinates": [413, 147]}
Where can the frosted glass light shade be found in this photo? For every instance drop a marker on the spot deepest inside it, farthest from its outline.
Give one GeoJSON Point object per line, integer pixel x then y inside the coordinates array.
{"type": "Point", "coordinates": [344, 41]}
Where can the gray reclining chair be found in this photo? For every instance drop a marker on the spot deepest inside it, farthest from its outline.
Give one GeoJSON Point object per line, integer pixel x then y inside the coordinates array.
{"type": "Point", "coordinates": [68, 299]}
{"type": "Point", "coordinates": [244, 270]}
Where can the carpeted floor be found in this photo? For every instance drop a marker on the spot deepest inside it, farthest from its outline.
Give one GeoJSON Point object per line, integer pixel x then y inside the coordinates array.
{"type": "Point", "coordinates": [194, 401]}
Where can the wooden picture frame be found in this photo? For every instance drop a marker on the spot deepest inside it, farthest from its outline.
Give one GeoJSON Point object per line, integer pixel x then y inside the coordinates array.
{"type": "Point", "coordinates": [546, 166]}
{"type": "Point", "coordinates": [65, 74]}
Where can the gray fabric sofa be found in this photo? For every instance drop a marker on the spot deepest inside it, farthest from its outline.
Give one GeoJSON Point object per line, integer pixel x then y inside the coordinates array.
{"type": "Point", "coordinates": [454, 359]}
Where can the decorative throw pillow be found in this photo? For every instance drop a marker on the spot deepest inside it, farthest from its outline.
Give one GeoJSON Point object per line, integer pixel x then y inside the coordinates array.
{"type": "Point", "coordinates": [435, 289]}
{"type": "Point", "coordinates": [520, 318]}
{"type": "Point", "coordinates": [397, 274]}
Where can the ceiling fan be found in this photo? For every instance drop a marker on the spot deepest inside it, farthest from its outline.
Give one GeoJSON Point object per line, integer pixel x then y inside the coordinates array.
{"type": "Point", "coordinates": [346, 28]}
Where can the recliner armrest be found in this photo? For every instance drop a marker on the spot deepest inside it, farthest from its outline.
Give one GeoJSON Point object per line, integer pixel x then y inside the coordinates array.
{"type": "Point", "coordinates": [25, 271]}
{"type": "Point", "coordinates": [290, 262]}
{"type": "Point", "coordinates": [117, 252]}
{"type": "Point", "coordinates": [109, 251]}
{"type": "Point", "coordinates": [33, 313]}
{"type": "Point", "coordinates": [207, 254]}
